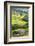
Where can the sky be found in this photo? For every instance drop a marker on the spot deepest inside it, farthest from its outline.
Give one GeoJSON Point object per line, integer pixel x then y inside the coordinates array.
{"type": "Point", "coordinates": [21, 9]}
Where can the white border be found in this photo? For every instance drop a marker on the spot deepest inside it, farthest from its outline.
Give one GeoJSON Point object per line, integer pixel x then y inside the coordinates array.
{"type": "Point", "coordinates": [25, 38]}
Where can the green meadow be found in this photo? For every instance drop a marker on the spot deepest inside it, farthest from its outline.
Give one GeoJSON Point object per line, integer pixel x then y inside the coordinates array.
{"type": "Point", "coordinates": [19, 24]}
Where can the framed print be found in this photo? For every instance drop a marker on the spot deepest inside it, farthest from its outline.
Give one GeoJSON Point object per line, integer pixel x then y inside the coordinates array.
{"type": "Point", "coordinates": [18, 22]}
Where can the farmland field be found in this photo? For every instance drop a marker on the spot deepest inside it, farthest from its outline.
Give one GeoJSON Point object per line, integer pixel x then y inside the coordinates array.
{"type": "Point", "coordinates": [19, 22]}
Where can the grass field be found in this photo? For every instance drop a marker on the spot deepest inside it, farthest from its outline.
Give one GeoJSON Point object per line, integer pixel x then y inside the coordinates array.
{"type": "Point", "coordinates": [19, 24]}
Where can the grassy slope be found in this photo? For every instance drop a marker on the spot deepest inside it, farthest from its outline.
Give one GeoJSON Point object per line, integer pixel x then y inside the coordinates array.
{"type": "Point", "coordinates": [18, 20]}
